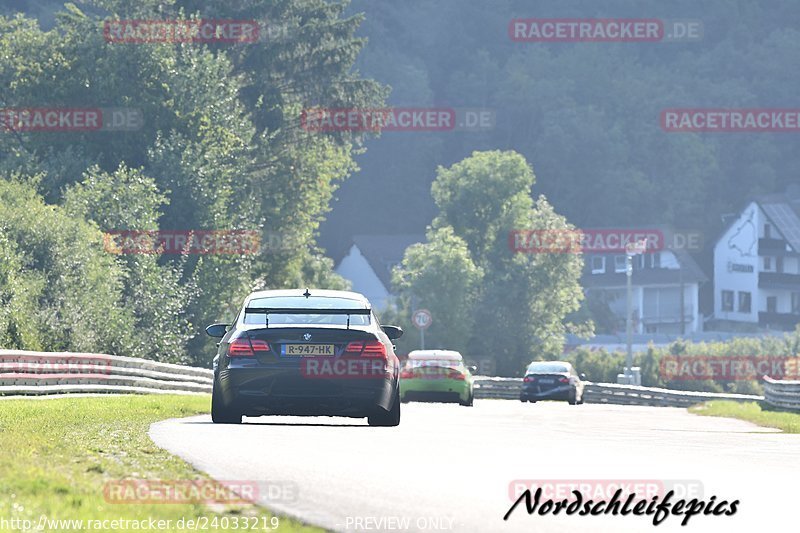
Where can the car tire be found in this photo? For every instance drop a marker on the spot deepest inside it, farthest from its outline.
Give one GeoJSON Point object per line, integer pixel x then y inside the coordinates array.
{"type": "Point", "coordinates": [221, 413]}
{"type": "Point", "coordinates": [470, 400]}
{"type": "Point", "coordinates": [389, 418]}
{"type": "Point", "coordinates": [572, 398]}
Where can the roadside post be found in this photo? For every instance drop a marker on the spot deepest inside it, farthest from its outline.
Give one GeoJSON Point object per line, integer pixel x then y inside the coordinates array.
{"type": "Point", "coordinates": [422, 319]}
{"type": "Point", "coordinates": [631, 375]}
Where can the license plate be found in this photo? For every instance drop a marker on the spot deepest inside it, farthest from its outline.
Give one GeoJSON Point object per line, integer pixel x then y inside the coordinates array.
{"type": "Point", "coordinates": [546, 381]}
{"type": "Point", "coordinates": [303, 350]}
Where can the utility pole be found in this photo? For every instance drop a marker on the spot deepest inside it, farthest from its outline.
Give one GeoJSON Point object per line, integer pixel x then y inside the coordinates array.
{"type": "Point", "coordinates": [683, 313]}
{"type": "Point", "coordinates": [629, 321]}
{"type": "Point", "coordinates": [629, 377]}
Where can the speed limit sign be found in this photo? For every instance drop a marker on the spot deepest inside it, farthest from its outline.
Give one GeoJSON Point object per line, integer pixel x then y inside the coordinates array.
{"type": "Point", "coordinates": [422, 318]}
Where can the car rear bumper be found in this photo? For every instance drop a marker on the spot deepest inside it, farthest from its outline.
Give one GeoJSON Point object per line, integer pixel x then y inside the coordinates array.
{"type": "Point", "coordinates": [434, 390]}
{"type": "Point", "coordinates": [262, 391]}
{"type": "Point", "coordinates": [566, 392]}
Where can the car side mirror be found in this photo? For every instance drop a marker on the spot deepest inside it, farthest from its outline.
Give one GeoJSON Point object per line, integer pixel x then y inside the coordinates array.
{"type": "Point", "coordinates": [582, 376]}
{"type": "Point", "coordinates": [472, 369]}
{"type": "Point", "coordinates": [217, 330]}
{"type": "Point", "coordinates": [393, 332]}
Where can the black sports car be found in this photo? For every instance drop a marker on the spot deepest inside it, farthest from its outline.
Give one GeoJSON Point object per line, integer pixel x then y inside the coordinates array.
{"type": "Point", "coordinates": [311, 353]}
{"type": "Point", "coordinates": [552, 380]}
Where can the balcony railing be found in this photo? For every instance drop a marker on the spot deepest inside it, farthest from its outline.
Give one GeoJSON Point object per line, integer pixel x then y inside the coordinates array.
{"type": "Point", "coordinates": [778, 280]}
{"type": "Point", "coordinates": [779, 320]}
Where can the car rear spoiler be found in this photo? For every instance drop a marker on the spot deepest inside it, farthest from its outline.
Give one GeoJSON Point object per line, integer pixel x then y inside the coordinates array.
{"type": "Point", "coordinates": [266, 311]}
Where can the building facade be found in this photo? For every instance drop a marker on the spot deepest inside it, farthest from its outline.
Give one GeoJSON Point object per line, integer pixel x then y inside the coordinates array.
{"type": "Point", "coordinates": [757, 264]}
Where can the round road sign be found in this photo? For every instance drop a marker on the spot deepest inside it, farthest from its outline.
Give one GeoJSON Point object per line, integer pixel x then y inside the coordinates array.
{"type": "Point", "coordinates": [422, 318]}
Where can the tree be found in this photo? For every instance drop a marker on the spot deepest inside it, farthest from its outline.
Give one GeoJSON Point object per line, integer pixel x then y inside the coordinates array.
{"type": "Point", "coordinates": [153, 292]}
{"type": "Point", "coordinates": [525, 297]}
{"type": "Point", "coordinates": [439, 275]}
{"type": "Point", "coordinates": [59, 289]}
{"type": "Point", "coordinates": [220, 148]}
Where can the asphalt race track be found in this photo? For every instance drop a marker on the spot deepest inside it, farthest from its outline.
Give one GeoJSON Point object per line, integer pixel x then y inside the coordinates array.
{"type": "Point", "coordinates": [449, 468]}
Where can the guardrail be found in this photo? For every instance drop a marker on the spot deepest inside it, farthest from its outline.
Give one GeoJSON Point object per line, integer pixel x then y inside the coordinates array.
{"type": "Point", "coordinates": [782, 394]}
{"type": "Point", "coordinates": [497, 388]}
{"type": "Point", "coordinates": [610, 393]}
{"type": "Point", "coordinates": [40, 373]}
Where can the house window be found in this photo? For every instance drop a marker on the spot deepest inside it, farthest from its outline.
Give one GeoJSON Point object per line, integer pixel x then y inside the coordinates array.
{"type": "Point", "coordinates": [796, 303]}
{"type": "Point", "coordinates": [656, 259]}
{"type": "Point", "coordinates": [767, 231]}
{"type": "Point", "coordinates": [744, 302]}
{"type": "Point", "coordinates": [619, 263]}
{"type": "Point", "coordinates": [779, 264]}
{"type": "Point", "coordinates": [598, 264]}
{"type": "Point", "coordinates": [772, 304]}
{"type": "Point", "coordinates": [727, 300]}
{"type": "Point", "coordinates": [767, 264]}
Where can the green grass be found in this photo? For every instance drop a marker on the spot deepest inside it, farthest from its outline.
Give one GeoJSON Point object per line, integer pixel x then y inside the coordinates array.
{"type": "Point", "coordinates": [751, 412]}
{"type": "Point", "coordinates": [56, 456]}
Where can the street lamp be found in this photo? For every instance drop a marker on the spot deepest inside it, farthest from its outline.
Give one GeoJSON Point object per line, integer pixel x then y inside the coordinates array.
{"type": "Point", "coordinates": [631, 376]}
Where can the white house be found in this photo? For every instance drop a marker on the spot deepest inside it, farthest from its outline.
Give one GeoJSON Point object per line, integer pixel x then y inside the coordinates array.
{"type": "Point", "coordinates": [663, 280]}
{"type": "Point", "coordinates": [369, 261]}
{"type": "Point", "coordinates": [757, 264]}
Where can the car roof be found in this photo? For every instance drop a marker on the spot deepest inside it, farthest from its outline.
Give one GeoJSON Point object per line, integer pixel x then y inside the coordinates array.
{"type": "Point", "coordinates": [436, 354]}
{"type": "Point", "coordinates": [319, 293]}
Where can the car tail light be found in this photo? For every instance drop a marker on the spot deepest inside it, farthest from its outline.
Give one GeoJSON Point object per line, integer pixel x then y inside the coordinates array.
{"type": "Point", "coordinates": [374, 349]}
{"type": "Point", "coordinates": [407, 374]}
{"type": "Point", "coordinates": [563, 379]}
{"type": "Point", "coordinates": [528, 379]}
{"type": "Point", "coordinates": [367, 348]}
{"type": "Point", "coordinates": [458, 376]}
{"type": "Point", "coordinates": [244, 347]}
{"type": "Point", "coordinates": [259, 345]}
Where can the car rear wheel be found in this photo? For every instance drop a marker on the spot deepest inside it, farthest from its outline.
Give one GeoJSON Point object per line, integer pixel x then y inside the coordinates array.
{"type": "Point", "coordinates": [573, 398]}
{"type": "Point", "coordinates": [470, 400]}
{"type": "Point", "coordinates": [221, 413]}
{"type": "Point", "coordinates": [389, 418]}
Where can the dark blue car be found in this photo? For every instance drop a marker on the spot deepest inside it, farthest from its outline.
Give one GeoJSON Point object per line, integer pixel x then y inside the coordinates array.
{"type": "Point", "coordinates": [308, 353]}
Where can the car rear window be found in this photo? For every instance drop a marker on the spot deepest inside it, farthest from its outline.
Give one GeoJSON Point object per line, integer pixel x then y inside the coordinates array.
{"type": "Point", "coordinates": [443, 363]}
{"type": "Point", "coordinates": [299, 302]}
{"type": "Point", "coordinates": [546, 368]}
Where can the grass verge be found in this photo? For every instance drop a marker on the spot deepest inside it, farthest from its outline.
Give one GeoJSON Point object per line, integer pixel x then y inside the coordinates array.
{"type": "Point", "coordinates": [751, 412]}
{"type": "Point", "coordinates": [58, 455]}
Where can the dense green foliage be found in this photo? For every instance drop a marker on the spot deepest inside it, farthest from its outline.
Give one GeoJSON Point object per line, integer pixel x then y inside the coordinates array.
{"type": "Point", "coordinates": [219, 148]}
{"type": "Point", "coordinates": [517, 312]}
{"type": "Point", "coordinates": [603, 367]}
{"type": "Point", "coordinates": [586, 115]}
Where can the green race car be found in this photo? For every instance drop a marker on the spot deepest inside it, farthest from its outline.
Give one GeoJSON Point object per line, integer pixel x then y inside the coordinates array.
{"type": "Point", "coordinates": [436, 376]}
